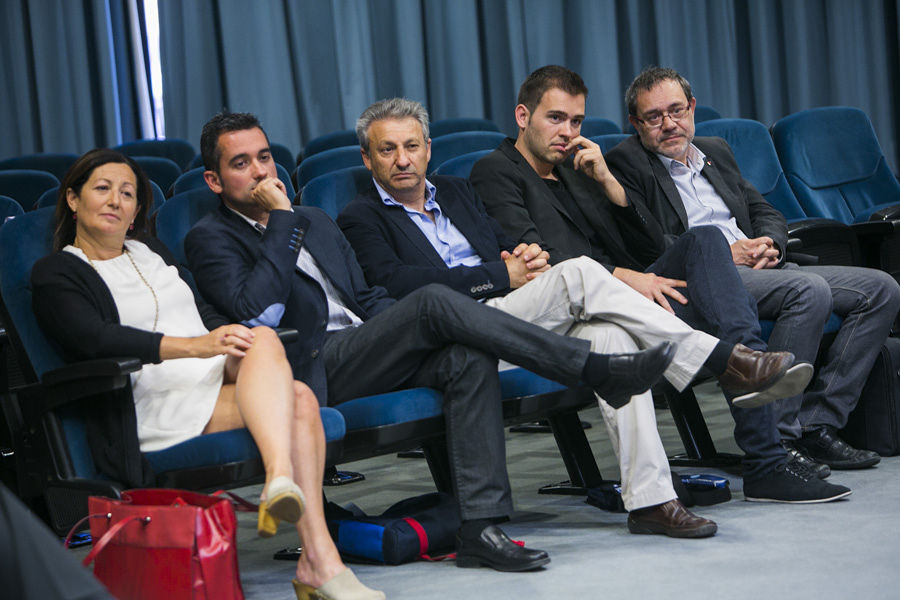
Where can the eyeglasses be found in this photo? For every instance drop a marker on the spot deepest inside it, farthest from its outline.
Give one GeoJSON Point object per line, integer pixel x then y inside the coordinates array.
{"type": "Point", "coordinates": [676, 114]}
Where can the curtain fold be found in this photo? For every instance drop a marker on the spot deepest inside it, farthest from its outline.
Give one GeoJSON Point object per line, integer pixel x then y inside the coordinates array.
{"type": "Point", "coordinates": [309, 67]}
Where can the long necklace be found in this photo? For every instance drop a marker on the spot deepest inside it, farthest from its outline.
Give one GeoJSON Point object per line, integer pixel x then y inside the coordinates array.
{"type": "Point", "coordinates": [141, 275]}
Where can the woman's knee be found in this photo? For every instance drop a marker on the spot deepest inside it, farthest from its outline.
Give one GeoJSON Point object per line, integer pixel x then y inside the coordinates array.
{"type": "Point", "coordinates": [306, 405]}
{"type": "Point", "coordinates": [265, 339]}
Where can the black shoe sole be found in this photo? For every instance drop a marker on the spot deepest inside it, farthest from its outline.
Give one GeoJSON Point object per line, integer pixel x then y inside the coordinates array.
{"type": "Point", "coordinates": [865, 464]}
{"type": "Point", "coordinates": [473, 562]}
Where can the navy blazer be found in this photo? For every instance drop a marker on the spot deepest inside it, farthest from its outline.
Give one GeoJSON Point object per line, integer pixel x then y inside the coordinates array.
{"type": "Point", "coordinates": [395, 253]}
{"type": "Point", "coordinates": [529, 211]}
{"type": "Point", "coordinates": [252, 277]}
{"type": "Point", "coordinates": [646, 179]}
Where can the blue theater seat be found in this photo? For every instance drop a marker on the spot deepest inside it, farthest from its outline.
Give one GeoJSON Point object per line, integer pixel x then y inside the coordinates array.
{"type": "Point", "coordinates": [443, 127]}
{"type": "Point", "coordinates": [335, 139]}
{"type": "Point", "coordinates": [56, 164]}
{"type": "Point", "coordinates": [161, 171]}
{"type": "Point", "coordinates": [456, 144]}
{"type": "Point", "coordinates": [327, 161]}
{"type": "Point", "coordinates": [609, 141]}
{"type": "Point", "coordinates": [181, 152]}
{"type": "Point", "coordinates": [461, 166]}
{"type": "Point", "coordinates": [594, 126]}
{"type": "Point", "coordinates": [25, 186]}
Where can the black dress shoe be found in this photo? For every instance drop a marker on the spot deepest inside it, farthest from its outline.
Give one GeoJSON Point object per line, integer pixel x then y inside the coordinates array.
{"type": "Point", "coordinates": [634, 373]}
{"type": "Point", "coordinates": [823, 445]}
{"type": "Point", "coordinates": [796, 455]}
{"type": "Point", "coordinates": [492, 548]}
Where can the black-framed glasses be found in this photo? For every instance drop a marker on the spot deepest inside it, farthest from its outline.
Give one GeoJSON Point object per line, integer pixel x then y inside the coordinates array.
{"type": "Point", "coordinates": [656, 120]}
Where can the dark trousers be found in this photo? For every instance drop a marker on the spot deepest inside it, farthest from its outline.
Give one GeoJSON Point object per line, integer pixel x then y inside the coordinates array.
{"type": "Point", "coordinates": [719, 304]}
{"type": "Point", "coordinates": [438, 338]}
{"type": "Point", "coordinates": [33, 563]}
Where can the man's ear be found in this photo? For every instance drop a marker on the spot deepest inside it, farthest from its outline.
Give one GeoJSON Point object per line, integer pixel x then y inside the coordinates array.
{"type": "Point", "coordinates": [428, 149]}
{"type": "Point", "coordinates": [634, 122]}
{"type": "Point", "coordinates": [213, 181]}
{"type": "Point", "coordinates": [523, 115]}
{"type": "Point", "coordinates": [366, 160]}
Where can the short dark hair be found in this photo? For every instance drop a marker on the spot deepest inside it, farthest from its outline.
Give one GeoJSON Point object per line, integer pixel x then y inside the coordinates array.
{"type": "Point", "coordinates": [547, 78]}
{"type": "Point", "coordinates": [648, 79]}
{"type": "Point", "coordinates": [77, 176]}
{"type": "Point", "coordinates": [223, 122]}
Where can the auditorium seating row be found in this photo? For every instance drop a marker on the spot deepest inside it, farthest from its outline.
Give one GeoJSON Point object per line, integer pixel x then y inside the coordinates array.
{"type": "Point", "coordinates": [855, 194]}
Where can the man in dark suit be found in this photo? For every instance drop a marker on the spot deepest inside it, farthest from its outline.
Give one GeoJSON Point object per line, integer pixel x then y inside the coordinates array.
{"type": "Point", "coordinates": [261, 261]}
{"type": "Point", "coordinates": [409, 231]}
{"type": "Point", "coordinates": [552, 186]}
{"type": "Point", "coordinates": [687, 182]}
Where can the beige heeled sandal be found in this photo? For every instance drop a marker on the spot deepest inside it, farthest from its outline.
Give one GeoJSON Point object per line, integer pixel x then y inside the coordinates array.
{"type": "Point", "coordinates": [343, 586]}
{"type": "Point", "coordinates": [284, 502]}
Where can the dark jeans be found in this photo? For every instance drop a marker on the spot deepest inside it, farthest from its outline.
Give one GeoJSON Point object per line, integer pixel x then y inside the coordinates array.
{"type": "Point", "coordinates": [719, 305]}
{"type": "Point", "coordinates": [439, 338]}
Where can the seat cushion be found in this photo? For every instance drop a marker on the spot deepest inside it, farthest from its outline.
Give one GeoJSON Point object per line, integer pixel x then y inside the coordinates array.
{"type": "Point", "coordinates": [226, 447]}
{"type": "Point", "coordinates": [831, 325]}
{"type": "Point", "coordinates": [519, 382]}
{"type": "Point", "coordinates": [391, 408]}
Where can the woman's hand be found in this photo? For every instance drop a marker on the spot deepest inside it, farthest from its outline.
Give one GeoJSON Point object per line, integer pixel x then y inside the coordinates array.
{"type": "Point", "coordinates": [233, 340]}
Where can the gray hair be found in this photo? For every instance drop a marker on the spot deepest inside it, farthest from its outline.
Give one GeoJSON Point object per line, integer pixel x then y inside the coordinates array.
{"type": "Point", "coordinates": [392, 108]}
{"type": "Point", "coordinates": [647, 80]}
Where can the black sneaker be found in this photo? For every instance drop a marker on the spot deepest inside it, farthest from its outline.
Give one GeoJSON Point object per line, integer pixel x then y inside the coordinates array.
{"type": "Point", "coordinates": [824, 446]}
{"type": "Point", "coordinates": [793, 484]}
{"type": "Point", "coordinates": [797, 455]}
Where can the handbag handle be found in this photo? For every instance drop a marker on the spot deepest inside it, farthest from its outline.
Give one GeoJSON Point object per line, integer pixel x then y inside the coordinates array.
{"type": "Point", "coordinates": [109, 535]}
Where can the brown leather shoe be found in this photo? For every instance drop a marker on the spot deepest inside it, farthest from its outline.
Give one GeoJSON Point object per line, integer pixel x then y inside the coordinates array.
{"type": "Point", "coordinates": [753, 371]}
{"type": "Point", "coordinates": [671, 519]}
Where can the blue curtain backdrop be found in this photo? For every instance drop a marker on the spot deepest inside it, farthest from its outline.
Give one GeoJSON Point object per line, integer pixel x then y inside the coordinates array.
{"type": "Point", "coordinates": [308, 67]}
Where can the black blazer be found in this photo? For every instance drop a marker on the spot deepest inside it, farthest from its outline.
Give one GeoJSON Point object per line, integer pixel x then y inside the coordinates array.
{"type": "Point", "coordinates": [395, 253]}
{"type": "Point", "coordinates": [646, 179]}
{"type": "Point", "coordinates": [529, 211]}
{"type": "Point", "coordinates": [252, 278]}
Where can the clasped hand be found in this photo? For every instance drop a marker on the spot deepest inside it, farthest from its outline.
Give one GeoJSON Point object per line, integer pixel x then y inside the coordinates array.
{"type": "Point", "coordinates": [270, 194]}
{"type": "Point", "coordinates": [233, 340]}
{"type": "Point", "coordinates": [524, 263]}
{"type": "Point", "coordinates": [758, 253]}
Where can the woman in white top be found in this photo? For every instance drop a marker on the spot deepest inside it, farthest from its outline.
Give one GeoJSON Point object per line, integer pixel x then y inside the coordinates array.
{"type": "Point", "coordinates": [102, 295]}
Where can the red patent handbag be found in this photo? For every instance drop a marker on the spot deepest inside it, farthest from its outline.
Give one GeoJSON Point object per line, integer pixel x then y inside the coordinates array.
{"type": "Point", "coordinates": [161, 544]}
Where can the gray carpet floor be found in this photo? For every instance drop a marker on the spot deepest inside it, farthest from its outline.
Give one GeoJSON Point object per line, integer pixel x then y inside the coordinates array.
{"type": "Point", "coordinates": [845, 549]}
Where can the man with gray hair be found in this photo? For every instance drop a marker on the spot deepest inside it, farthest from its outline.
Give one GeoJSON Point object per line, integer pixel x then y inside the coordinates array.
{"type": "Point", "coordinates": [409, 231]}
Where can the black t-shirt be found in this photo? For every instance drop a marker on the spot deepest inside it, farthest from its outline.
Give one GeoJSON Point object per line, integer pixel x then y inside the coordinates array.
{"type": "Point", "coordinates": [598, 251]}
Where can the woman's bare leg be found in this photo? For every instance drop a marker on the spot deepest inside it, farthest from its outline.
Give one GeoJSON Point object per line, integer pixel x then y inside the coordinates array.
{"type": "Point", "coordinates": [320, 560]}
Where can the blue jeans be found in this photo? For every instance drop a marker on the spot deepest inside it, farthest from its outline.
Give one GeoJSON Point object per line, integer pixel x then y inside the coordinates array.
{"type": "Point", "coordinates": [719, 305]}
{"type": "Point", "coordinates": [800, 300]}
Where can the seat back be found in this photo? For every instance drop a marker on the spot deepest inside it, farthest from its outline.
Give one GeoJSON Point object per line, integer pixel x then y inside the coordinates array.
{"type": "Point", "coordinates": [161, 171]}
{"type": "Point", "coordinates": [25, 186]}
{"type": "Point", "coordinates": [180, 213]}
{"type": "Point", "coordinates": [55, 163]}
{"type": "Point", "coordinates": [326, 162]}
{"type": "Point", "coordinates": [9, 208]}
{"type": "Point", "coordinates": [181, 152]}
{"type": "Point", "coordinates": [834, 164]}
{"type": "Point", "coordinates": [758, 161]}
{"type": "Point", "coordinates": [335, 139]}
{"type": "Point", "coordinates": [456, 144]}
{"type": "Point", "coordinates": [447, 126]}
{"type": "Point", "coordinates": [705, 113]}
{"type": "Point", "coordinates": [594, 126]}
{"type": "Point", "coordinates": [461, 166]}
{"type": "Point", "coordinates": [609, 141]}
{"type": "Point", "coordinates": [333, 191]}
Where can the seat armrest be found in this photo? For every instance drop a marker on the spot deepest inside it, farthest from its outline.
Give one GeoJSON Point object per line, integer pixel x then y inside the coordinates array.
{"type": "Point", "coordinates": [287, 336]}
{"type": "Point", "coordinates": [74, 382]}
{"type": "Point", "coordinates": [794, 244]}
{"type": "Point", "coordinates": [874, 229]}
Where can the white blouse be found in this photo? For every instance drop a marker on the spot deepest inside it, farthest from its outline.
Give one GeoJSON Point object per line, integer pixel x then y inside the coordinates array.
{"type": "Point", "coordinates": [174, 400]}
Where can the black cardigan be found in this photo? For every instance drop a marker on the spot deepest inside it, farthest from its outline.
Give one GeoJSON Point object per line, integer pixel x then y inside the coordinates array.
{"type": "Point", "coordinates": [75, 309]}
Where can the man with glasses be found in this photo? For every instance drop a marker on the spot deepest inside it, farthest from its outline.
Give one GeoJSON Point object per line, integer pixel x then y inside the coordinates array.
{"type": "Point", "coordinates": [551, 186]}
{"type": "Point", "coordinates": [688, 182]}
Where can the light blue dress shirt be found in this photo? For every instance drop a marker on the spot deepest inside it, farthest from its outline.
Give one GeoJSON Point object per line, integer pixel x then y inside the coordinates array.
{"type": "Point", "coordinates": [702, 203]}
{"type": "Point", "coordinates": [452, 246]}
